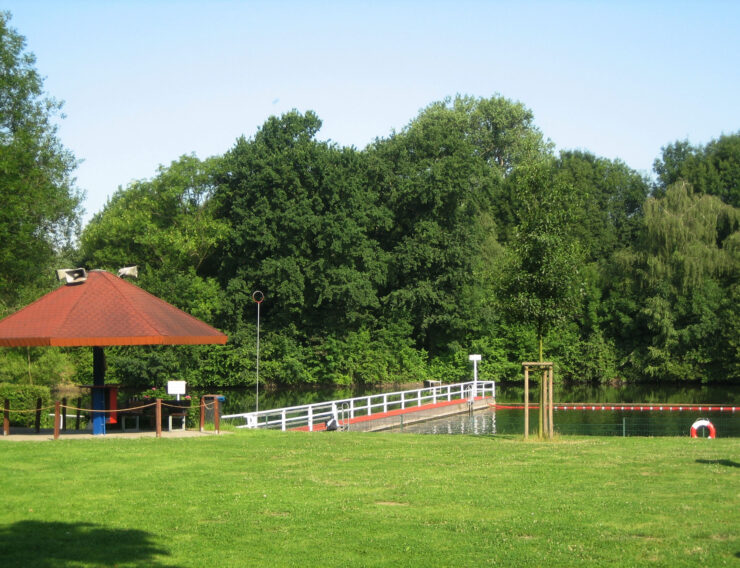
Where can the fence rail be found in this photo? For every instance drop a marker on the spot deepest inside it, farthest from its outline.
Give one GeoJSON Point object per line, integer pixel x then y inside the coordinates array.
{"type": "Point", "coordinates": [346, 409]}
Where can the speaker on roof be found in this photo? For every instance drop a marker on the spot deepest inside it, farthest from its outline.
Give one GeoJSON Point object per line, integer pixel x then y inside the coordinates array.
{"type": "Point", "coordinates": [72, 275]}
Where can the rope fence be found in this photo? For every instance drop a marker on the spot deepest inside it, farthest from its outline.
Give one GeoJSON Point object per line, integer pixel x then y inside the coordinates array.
{"type": "Point", "coordinates": [208, 406]}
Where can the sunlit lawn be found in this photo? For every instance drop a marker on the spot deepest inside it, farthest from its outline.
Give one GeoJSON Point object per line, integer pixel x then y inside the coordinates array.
{"type": "Point", "coordinates": [352, 499]}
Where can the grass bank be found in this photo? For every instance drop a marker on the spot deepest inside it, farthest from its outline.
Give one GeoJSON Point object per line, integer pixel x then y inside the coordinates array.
{"type": "Point", "coordinates": [351, 499]}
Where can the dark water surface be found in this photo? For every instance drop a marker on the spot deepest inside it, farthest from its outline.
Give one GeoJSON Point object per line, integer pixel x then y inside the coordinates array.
{"type": "Point", "coordinates": [511, 421]}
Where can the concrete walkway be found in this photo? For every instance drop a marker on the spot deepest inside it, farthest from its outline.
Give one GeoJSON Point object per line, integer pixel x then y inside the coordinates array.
{"type": "Point", "coordinates": [46, 435]}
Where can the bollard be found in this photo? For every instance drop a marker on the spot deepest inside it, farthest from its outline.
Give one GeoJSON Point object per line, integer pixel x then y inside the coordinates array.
{"type": "Point", "coordinates": [64, 414]}
{"type": "Point", "coordinates": [158, 417]}
{"type": "Point", "coordinates": [202, 413]}
{"type": "Point", "coordinates": [57, 404]}
{"type": "Point", "coordinates": [6, 418]}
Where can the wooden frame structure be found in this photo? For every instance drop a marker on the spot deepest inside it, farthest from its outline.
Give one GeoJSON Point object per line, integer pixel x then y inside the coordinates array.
{"type": "Point", "coordinates": [545, 419]}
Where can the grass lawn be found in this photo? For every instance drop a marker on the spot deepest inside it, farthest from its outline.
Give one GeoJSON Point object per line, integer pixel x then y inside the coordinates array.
{"type": "Point", "coordinates": [351, 499]}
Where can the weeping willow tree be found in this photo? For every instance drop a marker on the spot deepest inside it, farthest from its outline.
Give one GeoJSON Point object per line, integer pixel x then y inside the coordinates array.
{"type": "Point", "coordinates": [685, 270]}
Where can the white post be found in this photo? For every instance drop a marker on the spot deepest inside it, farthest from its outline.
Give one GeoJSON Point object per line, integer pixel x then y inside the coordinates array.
{"type": "Point", "coordinates": [475, 359]}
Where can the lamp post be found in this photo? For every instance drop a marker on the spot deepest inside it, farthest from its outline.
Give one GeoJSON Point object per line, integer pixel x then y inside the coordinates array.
{"type": "Point", "coordinates": [475, 359]}
{"type": "Point", "coordinates": [258, 297]}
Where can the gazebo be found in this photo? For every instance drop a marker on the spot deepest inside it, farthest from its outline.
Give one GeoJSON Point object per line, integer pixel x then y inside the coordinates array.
{"type": "Point", "coordinates": [98, 309]}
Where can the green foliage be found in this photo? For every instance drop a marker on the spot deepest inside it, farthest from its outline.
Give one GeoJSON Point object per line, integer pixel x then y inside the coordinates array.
{"type": "Point", "coordinates": [610, 197]}
{"type": "Point", "coordinates": [36, 366]}
{"type": "Point", "coordinates": [40, 207]}
{"type": "Point", "coordinates": [163, 223]}
{"type": "Point", "coordinates": [678, 273]}
{"type": "Point", "coordinates": [713, 169]}
{"type": "Point", "coordinates": [24, 398]}
{"type": "Point", "coordinates": [539, 280]}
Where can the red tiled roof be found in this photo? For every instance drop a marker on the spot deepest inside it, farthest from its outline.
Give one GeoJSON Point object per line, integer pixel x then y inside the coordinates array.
{"type": "Point", "coordinates": [104, 310]}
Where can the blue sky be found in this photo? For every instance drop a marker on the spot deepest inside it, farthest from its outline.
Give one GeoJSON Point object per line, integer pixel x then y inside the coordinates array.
{"type": "Point", "coordinates": [145, 82]}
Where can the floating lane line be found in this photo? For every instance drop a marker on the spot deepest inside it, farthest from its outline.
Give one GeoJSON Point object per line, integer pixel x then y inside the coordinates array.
{"type": "Point", "coordinates": [636, 407]}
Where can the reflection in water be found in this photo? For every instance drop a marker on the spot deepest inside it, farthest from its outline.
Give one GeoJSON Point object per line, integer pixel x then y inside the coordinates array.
{"type": "Point", "coordinates": [581, 422]}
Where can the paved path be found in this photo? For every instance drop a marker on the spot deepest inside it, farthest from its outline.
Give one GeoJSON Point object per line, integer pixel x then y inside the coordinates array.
{"type": "Point", "coordinates": [29, 435]}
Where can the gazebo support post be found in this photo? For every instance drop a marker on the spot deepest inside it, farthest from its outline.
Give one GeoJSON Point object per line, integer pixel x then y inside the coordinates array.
{"type": "Point", "coordinates": [98, 392]}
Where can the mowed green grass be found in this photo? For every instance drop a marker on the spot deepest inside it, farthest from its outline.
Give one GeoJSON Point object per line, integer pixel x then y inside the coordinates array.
{"type": "Point", "coordinates": [351, 499]}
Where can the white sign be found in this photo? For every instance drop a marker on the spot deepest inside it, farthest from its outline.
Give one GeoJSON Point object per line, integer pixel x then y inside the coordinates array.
{"type": "Point", "coordinates": [474, 357]}
{"type": "Point", "coordinates": [176, 387]}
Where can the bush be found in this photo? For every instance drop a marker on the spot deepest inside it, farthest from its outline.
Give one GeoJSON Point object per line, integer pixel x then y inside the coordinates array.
{"type": "Point", "coordinates": [24, 397]}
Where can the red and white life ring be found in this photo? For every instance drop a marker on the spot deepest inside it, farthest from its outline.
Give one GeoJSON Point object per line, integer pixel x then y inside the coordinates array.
{"type": "Point", "coordinates": [707, 424]}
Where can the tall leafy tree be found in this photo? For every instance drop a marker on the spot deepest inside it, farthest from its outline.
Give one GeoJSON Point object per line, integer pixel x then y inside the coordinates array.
{"type": "Point", "coordinates": [40, 205]}
{"type": "Point", "coordinates": [713, 169]}
{"type": "Point", "coordinates": [611, 196]}
{"type": "Point", "coordinates": [673, 293]}
{"type": "Point", "coordinates": [301, 217]}
{"type": "Point", "coordinates": [442, 178]}
{"type": "Point", "coordinates": [167, 227]}
{"type": "Point", "coordinates": [540, 281]}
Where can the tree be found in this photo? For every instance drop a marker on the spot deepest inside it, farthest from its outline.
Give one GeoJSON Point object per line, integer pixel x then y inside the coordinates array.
{"type": "Point", "coordinates": [713, 169]}
{"type": "Point", "coordinates": [539, 278]}
{"type": "Point", "coordinates": [674, 293]}
{"type": "Point", "coordinates": [40, 206]}
{"type": "Point", "coordinates": [442, 178]}
{"type": "Point", "coordinates": [611, 196]}
{"type": "Point", "coordinates": [302, 218]}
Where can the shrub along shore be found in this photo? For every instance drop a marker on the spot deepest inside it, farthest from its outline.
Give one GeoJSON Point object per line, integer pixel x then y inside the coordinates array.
{"type": "Point", "coordinates": [265, 498]}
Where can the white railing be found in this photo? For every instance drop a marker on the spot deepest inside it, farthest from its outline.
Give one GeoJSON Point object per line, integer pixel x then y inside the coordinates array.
{"type": "Point", "coordinates": [345, 409]}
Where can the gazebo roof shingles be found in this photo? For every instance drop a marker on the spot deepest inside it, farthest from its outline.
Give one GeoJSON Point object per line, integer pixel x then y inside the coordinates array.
{"type": "Point", "coordinates": [105, 310]}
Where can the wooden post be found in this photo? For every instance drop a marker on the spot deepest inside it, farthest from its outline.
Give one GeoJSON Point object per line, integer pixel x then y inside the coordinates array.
{"type": "Point", "coordinates": [158, 417]}
{"type": "Point", "coordinates": [202, 413]}
{"type": "Point", "coordinates": [64, 413]}
{"type": "Point", "coordinates": [540, 417]}
{"type": "Point", "coordinates": [216, 417]}
{"type": "Point", "coordinates": [545, 414]}
{"type": "Point", "coordinates": [546, 408]}
{"type": "Point", "coordinates": [57, 415]}
{"type": "Point", "coordinates": [526, 402]}
{"type": "Point", "coordinates": [6, 418]}
{"type": "Point", "coordinates": [79, 409]}
{"type": "Point", "coordinates": [38, 415]}
{"type": "Point", "coordinates": [550, 403]}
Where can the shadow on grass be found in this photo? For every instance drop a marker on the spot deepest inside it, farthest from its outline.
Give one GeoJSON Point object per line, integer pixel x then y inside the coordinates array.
{"type": "Point", "coordinates": [53, 544]}
{"type": "Point", "coordinates": [727, 463]}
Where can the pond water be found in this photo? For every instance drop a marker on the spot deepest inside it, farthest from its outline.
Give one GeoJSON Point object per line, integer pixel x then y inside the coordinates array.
{"type": "Point", "coordinates": [582, 423]}
{"type": "Point", "coordinates": [511, 421]}
{"type": "Point", "coordinates": [239, 400]}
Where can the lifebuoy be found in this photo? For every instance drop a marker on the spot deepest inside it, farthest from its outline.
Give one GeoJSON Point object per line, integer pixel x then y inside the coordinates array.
{"type": "Point", "coordinates": [707, 424]}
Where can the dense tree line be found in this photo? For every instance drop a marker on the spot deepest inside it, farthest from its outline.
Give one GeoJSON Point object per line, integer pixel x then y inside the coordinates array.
{"type": "Point", "coordinates": [462, 232]}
